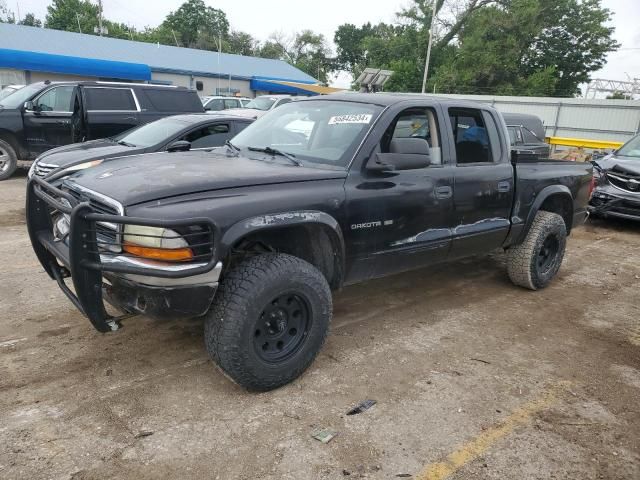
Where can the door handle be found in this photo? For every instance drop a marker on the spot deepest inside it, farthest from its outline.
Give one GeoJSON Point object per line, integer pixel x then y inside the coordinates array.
{"type": "Point", "coordinates": [444, 192]}
{"type": "Point", "coordinates": [504, 187]}
{"type": "Point", "coordinates": [129, 118]}
{"type": "Point", "coordinates": [62, 122]}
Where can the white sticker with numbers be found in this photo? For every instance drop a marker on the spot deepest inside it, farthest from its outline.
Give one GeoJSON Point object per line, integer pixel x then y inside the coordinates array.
{"type": "Point", "coordinates": [355, 118]}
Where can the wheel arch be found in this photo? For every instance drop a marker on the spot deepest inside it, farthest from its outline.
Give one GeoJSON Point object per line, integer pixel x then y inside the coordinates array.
{"type": "Point", "coordinates": [312, 235]}
{"type": "Point", "coordinates": [555, 199]}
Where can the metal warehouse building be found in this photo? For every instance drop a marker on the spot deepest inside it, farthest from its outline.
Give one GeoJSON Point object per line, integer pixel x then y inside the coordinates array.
{"type": "Point", "coordinates": [31, 54]}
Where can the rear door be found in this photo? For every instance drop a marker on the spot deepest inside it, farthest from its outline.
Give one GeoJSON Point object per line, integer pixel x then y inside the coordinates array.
{"type": "Point", "coordinates": [483, 181]}
{"type": "Point", "coordinates": [52, 121]}
{"type": "Point", "coordinates": [109, 110]}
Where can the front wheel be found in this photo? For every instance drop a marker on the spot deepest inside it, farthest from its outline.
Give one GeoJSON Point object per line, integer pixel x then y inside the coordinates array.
{"type": "Point", "coordinates": [535, 262]}
{"type": "Point", "coordinates": [269, 320]}
{"type": "Point", "coordinates": [8, 160]}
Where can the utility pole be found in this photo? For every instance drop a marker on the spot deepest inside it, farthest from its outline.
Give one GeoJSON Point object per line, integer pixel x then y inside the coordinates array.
{"type": "Point", "coordinates": [100, 16]}
{"type": "Point", "coordinates": [426, 61]}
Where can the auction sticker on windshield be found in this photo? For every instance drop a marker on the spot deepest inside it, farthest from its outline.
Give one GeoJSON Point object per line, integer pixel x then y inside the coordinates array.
{"type": "Point", "coordinates": [355, 118]}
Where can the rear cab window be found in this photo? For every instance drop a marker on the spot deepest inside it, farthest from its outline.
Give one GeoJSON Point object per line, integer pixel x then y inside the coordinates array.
{"type": "Point", "coordinates": [475, 135]}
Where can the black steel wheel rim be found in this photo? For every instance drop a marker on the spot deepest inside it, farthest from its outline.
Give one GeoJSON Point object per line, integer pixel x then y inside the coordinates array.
{"type": "Point", "coordinates": [548, 253]}
{"type": "Point", "coordinates": [282, 327]}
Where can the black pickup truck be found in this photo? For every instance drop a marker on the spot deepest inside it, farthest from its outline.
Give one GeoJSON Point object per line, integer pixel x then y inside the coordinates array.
{"type": "Point", "coordinates": [315, 195]}
{"type": "Point", "coordinates": [45, 115]}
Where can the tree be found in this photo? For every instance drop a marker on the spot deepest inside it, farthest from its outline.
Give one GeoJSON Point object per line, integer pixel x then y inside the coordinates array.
{"type": "Point", "coordinates": [305, 50]}
{"type": "Point", "coordinates": [6, 15]}
{"type": "Point", "coordinates": [523, 47]}
{"type": "Point", "coordinates": [619, 96]}
{"type": "Point", "coordinates": [30, 20]}
{"type": "Point", "coordinates": [71, 15]}
{"type": "Point", "coordinates": [196, 25]}
{"type": "Point", "coordinates": [240, 43]}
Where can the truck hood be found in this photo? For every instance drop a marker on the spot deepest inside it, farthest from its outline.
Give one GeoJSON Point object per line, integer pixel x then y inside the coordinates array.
{"type": "Point", "coordinates": [627, 165]}
{"type": "Point", "coordinates": [83, 152]}
{"type": "Point", "coordinates": [154, 176]}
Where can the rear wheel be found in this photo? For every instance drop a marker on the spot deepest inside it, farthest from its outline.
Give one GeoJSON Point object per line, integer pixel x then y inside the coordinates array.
{"type": "Point", "coordinates": [8, 160]}
{"type": "Point", "coordinates": [535, 262]}
{"type": "Point", "coordinates": [269, 320]}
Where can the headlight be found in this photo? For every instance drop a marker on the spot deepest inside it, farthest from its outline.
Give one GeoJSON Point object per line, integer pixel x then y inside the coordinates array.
{"type": "Point", "coordinates": [156, 243]}
{"type": "Point", "coordinates": [82, 166]}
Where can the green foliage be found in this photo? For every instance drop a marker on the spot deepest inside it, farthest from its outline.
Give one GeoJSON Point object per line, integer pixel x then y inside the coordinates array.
{"type": "Point", "coordinates": [66, 14]}
{"type": "Point", "coordinates": [306, 50]}
{"type": "Point", "coordinates": [196, 25]}
{"type": "Point", "coordinates": [30, 20]}
{"type": "Point", "coordinates": [505, 47]}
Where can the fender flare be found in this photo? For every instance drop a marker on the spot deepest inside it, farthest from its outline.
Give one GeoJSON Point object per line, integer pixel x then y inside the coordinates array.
{"type": "Point", "coordinates": [544, 194]}
{"type": "Point", "coordinates": [284, 219]}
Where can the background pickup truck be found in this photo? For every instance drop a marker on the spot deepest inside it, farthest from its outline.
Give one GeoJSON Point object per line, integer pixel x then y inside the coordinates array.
{"type": "Point", "coordinates": [316, 194]}
{"type": "Point", "coordinates": [45, 115]}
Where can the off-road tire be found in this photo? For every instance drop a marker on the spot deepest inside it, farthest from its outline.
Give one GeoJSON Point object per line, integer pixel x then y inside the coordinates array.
{"type": "Point", "coordinates": [10, 160]}
{"type": "Point", "coordinates": [523, 260]}
{"type": "Point", "coordinates": [244, 294]}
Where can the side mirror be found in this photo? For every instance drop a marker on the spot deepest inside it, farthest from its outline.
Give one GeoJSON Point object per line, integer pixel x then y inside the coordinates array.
{"type": "Point", "coordinates": [523, 156]}
{"type": "Point", "coordinates": [29, 106]}
{"type": "Point", "coordinates": [179, 146]}
{"type": "Point", "coordinates": [387, 162]}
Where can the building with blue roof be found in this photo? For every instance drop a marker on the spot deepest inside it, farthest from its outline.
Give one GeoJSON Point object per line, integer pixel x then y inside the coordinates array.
{"type": "Point", "coordinates": [31, 54]}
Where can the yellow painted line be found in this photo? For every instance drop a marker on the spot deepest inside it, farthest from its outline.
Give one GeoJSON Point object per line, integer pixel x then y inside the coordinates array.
{"type": "Point", "coordinates": [476, 447]}
{"type": "Point", "coordinates": [582, 142]}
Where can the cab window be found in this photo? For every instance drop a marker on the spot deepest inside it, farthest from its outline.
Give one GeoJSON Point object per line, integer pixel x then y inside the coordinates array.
{"type": "Point", "coordinates": [471, 137]}
{"type": "Point", "coordinates": [409, 129]}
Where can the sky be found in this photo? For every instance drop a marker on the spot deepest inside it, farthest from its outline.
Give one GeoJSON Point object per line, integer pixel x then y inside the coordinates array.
{"type": "Point", "coordinates": [288, 16]}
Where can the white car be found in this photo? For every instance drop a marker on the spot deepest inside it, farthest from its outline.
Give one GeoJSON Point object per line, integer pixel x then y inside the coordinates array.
{"type": "Point", "coordinates": [261, 105]}
{"type": "Point", "coordinates": [218, 103]}
{"type": "Point", "coordinates": [8, 90]}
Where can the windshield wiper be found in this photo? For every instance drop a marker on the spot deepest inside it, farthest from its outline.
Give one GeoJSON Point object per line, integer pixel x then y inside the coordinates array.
{"type": "Point", "coordinates": [126, 144]}
{"type": "Point", "coordinates": [273, 151]}
{"type": "Point", "coordinates": [234, 148]}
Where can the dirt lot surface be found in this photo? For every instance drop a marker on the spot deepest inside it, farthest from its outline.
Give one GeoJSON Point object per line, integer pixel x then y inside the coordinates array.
{"type": "Point", "coordinates": [474, 378]}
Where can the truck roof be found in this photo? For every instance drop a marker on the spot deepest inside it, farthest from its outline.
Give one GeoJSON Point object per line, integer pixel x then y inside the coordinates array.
{"type": "Point", "coordinates": [391, 98]}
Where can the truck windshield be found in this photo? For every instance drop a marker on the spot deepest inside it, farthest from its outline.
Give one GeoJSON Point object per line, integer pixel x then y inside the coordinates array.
{"type": "Point", "coordinates": [631, 148]}
{"type": "Point", "coordinates": [322, 132]}
{"type": "Point", "coordinates": [152, 133]}
{"type": "Point", "coordinates": [17, 98]}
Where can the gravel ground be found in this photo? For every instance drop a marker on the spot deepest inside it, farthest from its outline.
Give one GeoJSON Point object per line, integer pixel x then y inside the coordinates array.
{"type": "Point", "coordinates": [474, 378]}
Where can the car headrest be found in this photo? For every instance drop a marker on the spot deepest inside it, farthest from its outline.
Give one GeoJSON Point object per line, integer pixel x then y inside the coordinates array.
{"type": "Point", "coordinates": [409, 145]}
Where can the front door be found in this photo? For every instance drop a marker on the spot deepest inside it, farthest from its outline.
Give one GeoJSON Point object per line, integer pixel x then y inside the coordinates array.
{"type": "Point", "coordinates": [399, 220]}
{"type": "Point", "coordinates": [483, 182]}
{"type": "Point", "coordinates": [51, 121]}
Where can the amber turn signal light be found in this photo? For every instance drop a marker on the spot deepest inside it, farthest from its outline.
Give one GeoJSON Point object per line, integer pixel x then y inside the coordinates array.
{"type": "Point", "coordinates": [168, 254]}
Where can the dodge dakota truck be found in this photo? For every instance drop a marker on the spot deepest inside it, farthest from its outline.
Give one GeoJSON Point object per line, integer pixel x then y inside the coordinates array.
{"type": "Point", "coordinates": [317, 194]}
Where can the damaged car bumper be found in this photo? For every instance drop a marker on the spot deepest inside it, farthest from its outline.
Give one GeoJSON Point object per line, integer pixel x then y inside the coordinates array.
{"type": "Point", "coordinates": [609, 201]}
{"type": "Point", "coordinates": [78, 236]}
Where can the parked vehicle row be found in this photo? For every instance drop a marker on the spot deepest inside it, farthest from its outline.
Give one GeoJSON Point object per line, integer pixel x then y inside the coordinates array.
{"type": "Point", "coordinates": [45, 115]}
{"type": "Point", "coordinates": [316, 194]}
{"type": "Point", "coordinates": [176, 133]}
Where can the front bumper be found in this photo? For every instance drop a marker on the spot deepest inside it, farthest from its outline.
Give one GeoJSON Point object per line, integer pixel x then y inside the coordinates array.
{"type": "Point", "coordinates": [608, 201]}
{"type": "Point", "coordinates": [134, 285]}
